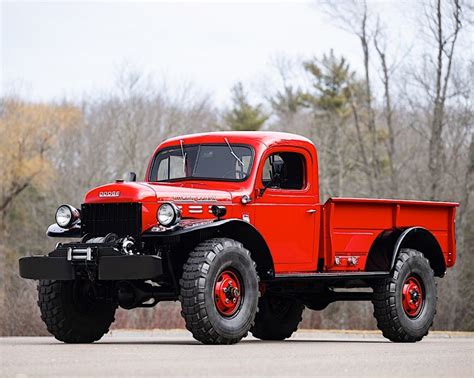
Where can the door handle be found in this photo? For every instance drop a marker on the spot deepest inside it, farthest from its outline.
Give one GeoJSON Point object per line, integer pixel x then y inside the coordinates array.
{"type": "Point", "coordinates": [311, 211]}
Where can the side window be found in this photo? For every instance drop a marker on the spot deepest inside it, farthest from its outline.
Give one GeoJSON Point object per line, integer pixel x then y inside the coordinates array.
{"type": "Point", "coordinates": [170, 167]}
{"type": "Point", "coordinates": [268, 171]}
{"type": "Point", "coordinates": [292, 171]}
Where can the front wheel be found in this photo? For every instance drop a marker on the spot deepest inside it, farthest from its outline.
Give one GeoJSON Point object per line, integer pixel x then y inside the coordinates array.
{"type": "Point", "coordinates": [72, 312]}
{"type": "Point", "coordinates": [405, 303]}
{"type": "Point", "coordinates": [219, 292]}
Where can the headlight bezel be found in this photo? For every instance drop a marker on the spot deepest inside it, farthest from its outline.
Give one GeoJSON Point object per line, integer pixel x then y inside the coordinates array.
{"type": "Point", "coordinates": [73, 219]}
{"type": "Point", "coordinates": [174, 219]}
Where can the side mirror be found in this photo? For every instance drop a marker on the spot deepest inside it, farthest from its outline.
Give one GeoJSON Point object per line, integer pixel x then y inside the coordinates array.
{"type": "Point", "coordinates": [131, 177]}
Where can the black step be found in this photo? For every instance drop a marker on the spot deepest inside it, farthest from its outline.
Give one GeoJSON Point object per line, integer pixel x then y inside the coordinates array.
{"type": "Point", "coordinates": [332, 276]}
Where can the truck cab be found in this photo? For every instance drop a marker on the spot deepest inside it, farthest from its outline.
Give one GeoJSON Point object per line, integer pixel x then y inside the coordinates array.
{"type": "Point", "coordinates": [231, 222]}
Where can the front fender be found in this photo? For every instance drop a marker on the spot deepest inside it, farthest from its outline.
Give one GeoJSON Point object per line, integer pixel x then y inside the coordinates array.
{"type": "Point", "coordinates": [193, 233]}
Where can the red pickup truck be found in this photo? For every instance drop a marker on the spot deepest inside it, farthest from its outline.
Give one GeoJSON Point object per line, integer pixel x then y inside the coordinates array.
{"type": "Point", "coordinates": [231, 225]}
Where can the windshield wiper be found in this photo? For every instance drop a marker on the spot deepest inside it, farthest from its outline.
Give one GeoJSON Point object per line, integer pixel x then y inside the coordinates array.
{"type": "Point", "coordinates": [234, 155]}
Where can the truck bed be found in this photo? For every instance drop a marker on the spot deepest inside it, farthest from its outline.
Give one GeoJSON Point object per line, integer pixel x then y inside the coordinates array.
{"type": "Point", "coordinates": [351, 225]}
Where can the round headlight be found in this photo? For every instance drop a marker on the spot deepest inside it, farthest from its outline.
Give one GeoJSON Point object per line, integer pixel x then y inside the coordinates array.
{"type": "Point", "coordinates": [67, 216]}
{"type": "Point", "coordinates": [168, 214]}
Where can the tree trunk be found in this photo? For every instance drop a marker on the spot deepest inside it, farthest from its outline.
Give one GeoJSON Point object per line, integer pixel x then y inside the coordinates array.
{"type": "Point", "coordinates": [436, 149]}
{"type": "Point", "coordinates": [375, 163]}
{"type": "Point", "coordinates": [388, 113]}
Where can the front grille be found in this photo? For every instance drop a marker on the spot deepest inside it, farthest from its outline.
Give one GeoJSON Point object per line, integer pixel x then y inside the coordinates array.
{"type": "Point", "coordinates": [123, 219]}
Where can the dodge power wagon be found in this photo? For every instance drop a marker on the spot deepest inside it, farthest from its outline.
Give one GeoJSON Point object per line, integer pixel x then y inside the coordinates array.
{"type": "Point", "coordinates": [231, 225]}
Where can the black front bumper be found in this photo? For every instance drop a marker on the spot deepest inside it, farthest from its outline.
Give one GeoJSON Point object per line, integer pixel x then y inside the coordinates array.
{"type": "Point", "coordinates": [100, 262]}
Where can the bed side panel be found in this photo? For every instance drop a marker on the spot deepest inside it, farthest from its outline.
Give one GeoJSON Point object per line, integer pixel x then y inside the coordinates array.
{"type": "Point", "coordinates": [352, 226]}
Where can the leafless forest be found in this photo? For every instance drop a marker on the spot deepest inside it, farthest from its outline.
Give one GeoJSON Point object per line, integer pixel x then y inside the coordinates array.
{"type": "Point", "coordinates": [402, 126]}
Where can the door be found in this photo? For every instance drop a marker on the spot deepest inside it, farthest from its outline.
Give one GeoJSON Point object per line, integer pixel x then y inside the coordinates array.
{"type": "Point", "coordinates": [286, 208]}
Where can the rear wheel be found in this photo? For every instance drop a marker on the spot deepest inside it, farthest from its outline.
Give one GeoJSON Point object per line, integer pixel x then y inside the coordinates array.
{"type": "Point", "coordinates": [219, 292]}
{"type": "Point", "coordinates": [277, 318]}
{"type": "Point", "coordinates": [405, 303]}
{"type": "Point", "coordinates": [72, 312]}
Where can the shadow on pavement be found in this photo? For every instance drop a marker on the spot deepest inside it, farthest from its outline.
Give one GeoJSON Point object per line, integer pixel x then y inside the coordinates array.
{"type": "Point", "coordinates": [196, 343]}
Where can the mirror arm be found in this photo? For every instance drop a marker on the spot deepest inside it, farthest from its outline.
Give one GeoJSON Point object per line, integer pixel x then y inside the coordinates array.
{"type": "Point", "coordinates": [262, 191]}
{"type": "Point", "coordinates": [270, 183]}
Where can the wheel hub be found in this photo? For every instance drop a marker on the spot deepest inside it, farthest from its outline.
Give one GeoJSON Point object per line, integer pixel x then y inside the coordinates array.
{"type": "Point", "coordinates": [227, 293]}
{"type": "Point", "coordinates": [412, 297]}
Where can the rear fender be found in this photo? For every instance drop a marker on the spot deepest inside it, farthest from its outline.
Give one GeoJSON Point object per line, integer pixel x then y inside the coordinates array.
{"type": "Point", "coordinates": [386, 248]}
{"type": "Point", "coordinates": [422, 240]}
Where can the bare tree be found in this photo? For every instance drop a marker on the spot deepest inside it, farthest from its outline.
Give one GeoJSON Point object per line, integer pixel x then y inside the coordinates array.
{"type": "Point", "coordinates": [380, 43]}
{"type": "Point", "coordinates": [443, 22]}
{"type": "Point", "coordinates": [30, 130]}
{"type": "Point", "coordinates": [355, 17]}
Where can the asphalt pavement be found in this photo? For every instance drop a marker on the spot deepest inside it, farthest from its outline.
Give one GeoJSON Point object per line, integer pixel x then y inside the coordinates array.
{"type": "Point", "coordinates": [176, 353]}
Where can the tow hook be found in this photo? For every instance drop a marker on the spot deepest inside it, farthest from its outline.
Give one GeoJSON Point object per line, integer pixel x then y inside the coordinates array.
{"type": "Point", "coordinates": [128, 245]}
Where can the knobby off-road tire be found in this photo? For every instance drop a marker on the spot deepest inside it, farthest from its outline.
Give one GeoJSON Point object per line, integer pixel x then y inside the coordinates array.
{"type": "Point", "coordinates": [216, 273]}
{"type": "Point", "coordinates": [405, 303]}
{"type": "Point", "coordinates": [277, 318]}
{"type": "Point", "coordinates": [71, 316]}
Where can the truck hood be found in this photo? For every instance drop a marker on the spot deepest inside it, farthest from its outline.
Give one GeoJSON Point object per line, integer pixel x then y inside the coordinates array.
{"type": "Point", "coordinates": [151, 192]}
{"type": "Point", "coordinates": [175, 193]}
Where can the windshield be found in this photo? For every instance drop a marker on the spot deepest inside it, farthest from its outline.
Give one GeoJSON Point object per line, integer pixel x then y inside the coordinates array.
{"type": "Point", "coordinates": [227, 162]}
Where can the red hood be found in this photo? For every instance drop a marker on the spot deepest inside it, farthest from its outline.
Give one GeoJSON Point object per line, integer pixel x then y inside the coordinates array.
{"type": "Point", "coordinates": [151, 192]}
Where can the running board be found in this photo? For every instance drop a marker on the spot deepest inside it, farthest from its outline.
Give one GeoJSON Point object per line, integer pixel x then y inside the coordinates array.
{"type": "Point", "coordinates": [332, 276]}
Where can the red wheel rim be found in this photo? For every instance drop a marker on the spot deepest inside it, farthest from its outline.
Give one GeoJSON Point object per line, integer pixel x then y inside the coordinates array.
{"type": "Point", "coordinates": [227, 293]}
{"type": "Point", "coordinates": [412, 297]}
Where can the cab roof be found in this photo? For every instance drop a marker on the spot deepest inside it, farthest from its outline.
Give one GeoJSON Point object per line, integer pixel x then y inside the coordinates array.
{"type": "Point", "coordinates": [267, 138]}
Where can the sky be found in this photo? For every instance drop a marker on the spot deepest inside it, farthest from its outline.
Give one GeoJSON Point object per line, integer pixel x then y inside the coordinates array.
{"type": "Point", "coordinates": [65, 49]}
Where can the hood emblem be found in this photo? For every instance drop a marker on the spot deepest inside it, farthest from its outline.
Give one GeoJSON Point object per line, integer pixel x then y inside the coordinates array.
{"type": "Point", "coordinates": [195, 199]}
{"type": "Point", "coordinates": [109, 194]}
